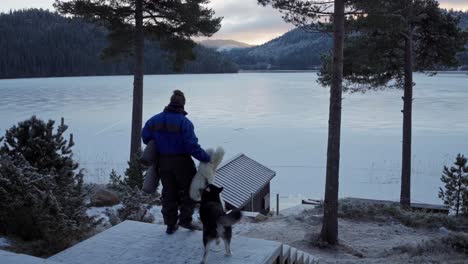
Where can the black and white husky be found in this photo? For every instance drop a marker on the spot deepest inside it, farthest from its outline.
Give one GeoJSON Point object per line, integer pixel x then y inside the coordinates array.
{"type": "Point", "coordinates": [217, 224]}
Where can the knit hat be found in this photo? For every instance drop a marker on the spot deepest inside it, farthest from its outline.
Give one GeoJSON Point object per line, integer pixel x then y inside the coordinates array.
{"type": "Point", "coordinates": [177, 99]}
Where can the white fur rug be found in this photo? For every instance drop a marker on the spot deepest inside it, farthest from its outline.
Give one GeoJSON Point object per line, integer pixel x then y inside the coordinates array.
{"type": "Point", "coordinates": [206, 173]}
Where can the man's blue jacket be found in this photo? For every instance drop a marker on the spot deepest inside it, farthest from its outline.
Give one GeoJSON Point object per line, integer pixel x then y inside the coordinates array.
{"type": "Point", "coordinates": [174, 134]}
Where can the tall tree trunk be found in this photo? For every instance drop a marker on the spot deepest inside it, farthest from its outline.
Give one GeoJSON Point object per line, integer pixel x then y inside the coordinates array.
{"type": "Point", "coordinates": [137, 111]}
{"type": "Point", "coordinates": [330, 218]}
{"type": "Point", "coordinates": [405, 195]}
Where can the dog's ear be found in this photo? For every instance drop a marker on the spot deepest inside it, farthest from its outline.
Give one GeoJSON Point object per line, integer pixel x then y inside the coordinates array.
{"type": "Point", "coordinates": [220, 189]}
{"type": "Point", "coordinates": [214, 188]}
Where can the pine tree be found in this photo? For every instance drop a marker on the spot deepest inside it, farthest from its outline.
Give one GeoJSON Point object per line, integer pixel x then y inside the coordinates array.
{"type": "Point", "coordinates": [115, 179]}
{"type": "Point", "coordinates": [389, 41]}
{"type": "Point", "coordinates": [309, 14]}
{"type": "Point", "coordinates": [134, 174]}
{"type": "Point", "coordinates": [455, 179]}
{"type": "Point", "coordinates": [41, 186]}
{"type": "Point", "coordinates": [44, 149]}
{"type": "Point", "coordinates": [130, 22]}
{"type": "Point", "coordinates": [135, 207]}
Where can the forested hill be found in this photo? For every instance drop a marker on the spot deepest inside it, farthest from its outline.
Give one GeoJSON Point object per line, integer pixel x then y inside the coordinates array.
{"type": "Point", "coordinates": [300, 50]}
{"type": "Point", "coordinates": [295, 50]}
{"type": "Point", "coordinates": [39, 43]}
{"type": "Point", "coordinates": [463, 57]}
{"type": "Point", "coordinates": [463, 19]}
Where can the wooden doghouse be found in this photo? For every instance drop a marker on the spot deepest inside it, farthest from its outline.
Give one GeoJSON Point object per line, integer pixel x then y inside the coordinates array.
{"type": "Point", "coordinates": [246, 184]}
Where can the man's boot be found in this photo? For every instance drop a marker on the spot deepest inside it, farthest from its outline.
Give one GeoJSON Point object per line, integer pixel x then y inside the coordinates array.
{"type": "Point", "coordinates": [171, 229]}
{"type": "Point", "coordinates": [191, 226]}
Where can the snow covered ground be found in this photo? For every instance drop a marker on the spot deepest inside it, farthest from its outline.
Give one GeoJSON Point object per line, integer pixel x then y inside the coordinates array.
{"type": "Point", "coordinates": [100, 212]}
{"type": "Point", "coordinates": [362, 242]}
{"type": "Point", "coordinates": [4, 242]}
{"type": "Point", "coordinates": [279, 119]}
{"type": "Point", "coordinates": [103, 213]}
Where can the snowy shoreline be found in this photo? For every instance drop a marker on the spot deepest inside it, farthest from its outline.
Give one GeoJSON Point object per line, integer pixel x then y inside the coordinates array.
{"type": "Point", "coordinates": [360, 241]}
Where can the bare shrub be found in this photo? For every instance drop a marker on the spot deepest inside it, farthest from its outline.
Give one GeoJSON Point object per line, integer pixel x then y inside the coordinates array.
{"type": "Point", "coordinates": [453, 242]}
{"type": "Point", "coordinates": [367, 211]}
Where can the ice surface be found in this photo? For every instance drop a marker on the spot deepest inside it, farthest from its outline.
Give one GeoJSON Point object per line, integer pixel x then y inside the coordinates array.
{"type": "Point", "coordinates": [278, 119]}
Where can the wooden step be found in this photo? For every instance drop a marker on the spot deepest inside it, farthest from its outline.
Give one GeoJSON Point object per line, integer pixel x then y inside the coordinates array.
{"type": "Point", "coordinates": [285, 254]}
{"type": "Point", "coordinates": [293, 256]}
{"type": "Point", "coordinates": [300, 257]}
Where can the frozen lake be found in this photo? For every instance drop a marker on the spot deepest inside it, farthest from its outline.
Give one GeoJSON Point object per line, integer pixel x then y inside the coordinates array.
{"type": "Point", "coordinates": [279, 119]}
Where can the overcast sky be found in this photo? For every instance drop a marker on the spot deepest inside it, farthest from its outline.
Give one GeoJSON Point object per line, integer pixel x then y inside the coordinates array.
{"type": "Point", "coordinates": [244, 20]}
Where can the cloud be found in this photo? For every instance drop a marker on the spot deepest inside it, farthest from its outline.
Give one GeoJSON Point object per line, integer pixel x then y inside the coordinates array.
{"type": "Point", "coordinates": [454, 4]}
{"type": "Point", "coordinates": [244, 20]}
{"type": "Point", "coordinates": [23, 4]}
{"type": "Point", "coordinates": [247, 21]}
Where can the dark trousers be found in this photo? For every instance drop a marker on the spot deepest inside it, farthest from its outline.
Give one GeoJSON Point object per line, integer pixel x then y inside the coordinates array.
{"type": "Point", "coordinates": [177, 173]}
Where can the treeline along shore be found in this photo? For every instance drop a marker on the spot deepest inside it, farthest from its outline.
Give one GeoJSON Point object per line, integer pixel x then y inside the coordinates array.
{"type": "Point", "coordinates": [40, 43]}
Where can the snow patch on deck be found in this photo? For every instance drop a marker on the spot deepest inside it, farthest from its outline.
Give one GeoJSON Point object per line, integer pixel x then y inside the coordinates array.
{"type": "Point", "coordinates": [13, 258]}
{"type": "Point", "coordinates": [135, 242]}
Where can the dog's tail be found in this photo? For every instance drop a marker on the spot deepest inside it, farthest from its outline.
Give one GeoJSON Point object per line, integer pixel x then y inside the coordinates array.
{"type": "Point", "coordinates": [217, 157]}
{"type": "Point", "coordinates": [230, 218]}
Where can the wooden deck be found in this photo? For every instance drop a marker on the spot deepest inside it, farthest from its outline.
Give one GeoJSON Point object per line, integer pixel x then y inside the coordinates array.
{"type": "Point", "coordinates": [135, 242]}
{"type": "Point", "coordinates": [13, 258]}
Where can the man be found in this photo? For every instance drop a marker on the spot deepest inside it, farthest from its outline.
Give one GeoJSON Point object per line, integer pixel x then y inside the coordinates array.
{"type": "Point", "coordinates": [176, 143]}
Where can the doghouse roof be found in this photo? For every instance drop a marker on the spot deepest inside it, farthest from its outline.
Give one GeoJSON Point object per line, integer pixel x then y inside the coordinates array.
{"type": "Point", "coordinates": [240, 177]}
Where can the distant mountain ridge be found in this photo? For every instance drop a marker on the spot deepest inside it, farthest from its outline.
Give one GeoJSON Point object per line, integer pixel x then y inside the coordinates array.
{"type": "Point", "coordinates": [290, 43]}
{"type": "Point", "coordinates": [224, 44]}
{"type": "Point", "coordinates": [295, 50]}
{"type": "Point", "coordinates": [300, 50]}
